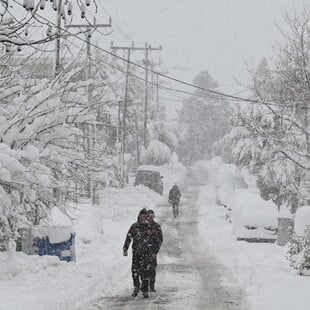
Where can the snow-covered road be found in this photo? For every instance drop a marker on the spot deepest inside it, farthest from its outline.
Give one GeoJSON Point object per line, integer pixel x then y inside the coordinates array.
{"type": "Point", "coordinates": [188, 275]}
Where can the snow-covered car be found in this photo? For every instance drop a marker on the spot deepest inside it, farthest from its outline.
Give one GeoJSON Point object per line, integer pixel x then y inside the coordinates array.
{"type": "Point", "coordinates": [256, 220]}
{"type": "Point", "coordinates": [150, 177]}
{"type": "Point", "coordinates": [226, 189]}
{"type": "Point", "coordinates": [223, 172]}
{"type": "Point", "coordinates": [236, 200]}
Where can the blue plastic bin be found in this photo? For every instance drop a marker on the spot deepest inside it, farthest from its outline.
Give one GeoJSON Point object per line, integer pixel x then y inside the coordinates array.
{"type": "Point", "coordinates": [64, 250]}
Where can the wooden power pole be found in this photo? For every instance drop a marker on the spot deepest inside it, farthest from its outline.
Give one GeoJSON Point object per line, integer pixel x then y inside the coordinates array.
{"type": "Point", "coordinates": [88, 128]}
{"type": "Point", "coordinates": [147, 49]}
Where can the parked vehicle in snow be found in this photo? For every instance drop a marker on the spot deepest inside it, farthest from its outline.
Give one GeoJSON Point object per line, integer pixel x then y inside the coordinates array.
{"type": "Point", "coordinates": [54, 236]}
{"type": "Point", "coordinates": [237, 198]}
{"type": "Point", "coordinates": [151, 178]}
{"type": "Point", "coordinates": [255, 220]}
{"type": "Point", "coordinates": [226, 190]}
{"type": "Point", "coordinates": [227, 180]}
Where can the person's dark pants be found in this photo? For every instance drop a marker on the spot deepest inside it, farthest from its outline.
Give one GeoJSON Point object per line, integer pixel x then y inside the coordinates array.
{"type": "Point", "coordinates": [152, 272]}
{"type": "Point", "coordinates": [140, 269]}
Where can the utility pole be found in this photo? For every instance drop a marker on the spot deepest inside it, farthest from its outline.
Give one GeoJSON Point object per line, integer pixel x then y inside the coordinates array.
{"type": "Point", "coordinates": [147, 49]}
{"type": "Point", "coordinates": [125, 104]}
{"type": "Point", "coordinates": [91, 188]}
{"type": "Point", "coordinates": [152, 66]}
{"type": "Point", "coordinates": [87, 29]}
{"type": "Point", "coordinates": [58, 65]}
{"type": "Point", "coordinates": [128, 49]}
{"type": "Point", "coordinates": [157, 89]}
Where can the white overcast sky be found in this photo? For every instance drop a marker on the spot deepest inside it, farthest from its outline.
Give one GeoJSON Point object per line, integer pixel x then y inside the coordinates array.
{"type": "Point", "coordinates": [214, 35]}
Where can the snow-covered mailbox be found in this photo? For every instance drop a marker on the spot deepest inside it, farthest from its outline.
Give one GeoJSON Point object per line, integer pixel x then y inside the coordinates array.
{"type": "Point", "coordinates": [55, 236]}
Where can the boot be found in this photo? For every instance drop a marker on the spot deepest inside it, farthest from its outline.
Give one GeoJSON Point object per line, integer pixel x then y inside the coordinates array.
{"type": "Point", "coordinates": [135, 292]}
{"type": "Point", "coordinates": [152, 286]}
{"type": "Point", "coordinates": [146, 295]}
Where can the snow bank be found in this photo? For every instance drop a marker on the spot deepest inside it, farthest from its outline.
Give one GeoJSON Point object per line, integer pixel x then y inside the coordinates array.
{"type": "Point", "coordinates": [13, 264]}
{"type": "Point", "coordinates": [262, 270]}
{"type": "Point", "coordinates": [36, 283]}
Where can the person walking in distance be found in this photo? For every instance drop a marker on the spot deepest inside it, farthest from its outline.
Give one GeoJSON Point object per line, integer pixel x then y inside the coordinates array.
{"type": "Point", "coordinates": [174, 199]}
{"type": "Point", "coordinates": [156, 238]}
{"type": "Point", "coordinates": [139, 234]}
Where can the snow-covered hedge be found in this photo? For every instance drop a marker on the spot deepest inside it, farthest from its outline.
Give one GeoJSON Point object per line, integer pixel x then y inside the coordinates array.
{"type": "Point", "coordinates": [299, 245]}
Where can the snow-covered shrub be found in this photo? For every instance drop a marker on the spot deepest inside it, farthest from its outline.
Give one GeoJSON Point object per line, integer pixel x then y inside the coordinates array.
{"type": "Point", "coordinates": [295, 251]}
{"type": "Point", "coordinates": [157, 154]}
{"type": "Point", "coordinates": [50, 148]}
{"type": "Point", "coordinates": [305, 263]}
{"type": "Point", "coordinates": [299, 245]}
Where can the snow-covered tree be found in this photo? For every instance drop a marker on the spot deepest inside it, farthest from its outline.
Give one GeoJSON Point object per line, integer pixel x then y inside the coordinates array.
{"type": "Point", "coordinates": [272, 138]}
{"type": "Point", "coordinates": [18, 17]}
{"type": "Point", "coordinates": [202, 121]}
{"type": "Point", "coordinates": [157, 154]}
{"type": "Point", "coordinates": [54, 145]}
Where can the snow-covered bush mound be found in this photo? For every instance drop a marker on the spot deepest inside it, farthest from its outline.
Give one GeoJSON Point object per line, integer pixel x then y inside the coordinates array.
{"type": "Point", "coordinates": [14, 263]}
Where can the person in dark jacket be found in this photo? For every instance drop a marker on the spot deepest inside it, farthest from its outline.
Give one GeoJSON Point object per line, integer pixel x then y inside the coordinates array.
{"type": "Point", "coordinates": [174, 194]}
{"type": "Point", "coordinates": [139, 234]}
{"type": "Point", "coordinates": [156, 242]}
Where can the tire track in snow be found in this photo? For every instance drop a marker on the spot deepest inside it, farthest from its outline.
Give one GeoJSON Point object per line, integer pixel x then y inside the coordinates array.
{"type": "Point", "coordinates": [187, 277]}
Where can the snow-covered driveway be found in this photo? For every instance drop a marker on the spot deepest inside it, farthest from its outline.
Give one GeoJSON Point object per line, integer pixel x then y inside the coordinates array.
{"type": "Point", "coordinates": [187, 276]}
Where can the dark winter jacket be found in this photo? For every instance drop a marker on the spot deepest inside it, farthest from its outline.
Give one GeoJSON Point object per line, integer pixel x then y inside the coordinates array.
{"type": "Point", "coordinates": [174, 193]}
{"type": "Point", "coordinates": [156, 237]}
{"type": "Point", "coordinates": [139, 234]}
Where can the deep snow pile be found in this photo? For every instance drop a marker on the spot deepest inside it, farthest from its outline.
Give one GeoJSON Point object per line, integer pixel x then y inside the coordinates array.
{"type": "Point", "coordinates": [262, 270]}
{"type": "Point", "coordinates": [32, 282]}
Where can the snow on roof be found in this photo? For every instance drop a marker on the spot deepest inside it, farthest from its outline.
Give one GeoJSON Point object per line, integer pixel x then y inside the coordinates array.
{"type": "Point", "coordinates": [302, 220]}
{"type": "Point", "coordinates": [149, 167]}
{"type": "Point", "coordinates": [255, 211]}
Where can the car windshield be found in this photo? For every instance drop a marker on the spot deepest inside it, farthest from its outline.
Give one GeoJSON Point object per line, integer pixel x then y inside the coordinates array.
{"type": "Point", "coordinates": [148, 175]}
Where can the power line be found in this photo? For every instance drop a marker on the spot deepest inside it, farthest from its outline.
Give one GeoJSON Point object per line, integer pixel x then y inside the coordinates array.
{"type": "Point", "coordinates": [218, 93]}
{"type": "Point", "coordinates": [180, 91]}
{"type": "Point", "coordinates": [235, 98]}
